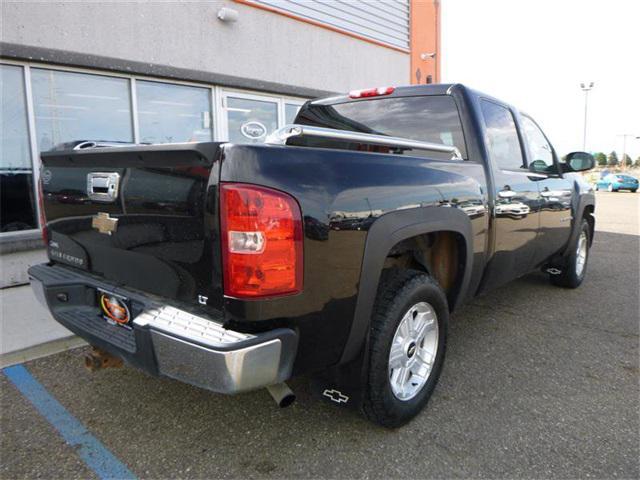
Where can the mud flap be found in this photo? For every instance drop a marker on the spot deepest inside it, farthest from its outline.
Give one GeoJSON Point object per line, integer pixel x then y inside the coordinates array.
{"type": "Point", "coordinates": [342, 385]}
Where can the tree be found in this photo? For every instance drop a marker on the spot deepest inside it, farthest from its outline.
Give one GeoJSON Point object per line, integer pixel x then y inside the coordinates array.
{"type": "Point", "coordinates": [638, 162]}
{"type": "Point", "coordinates": [613, 159]}
{"type": "Point", "coordinates": [626, 160]}
{"type": "Point", "coordinates": [601, 159]}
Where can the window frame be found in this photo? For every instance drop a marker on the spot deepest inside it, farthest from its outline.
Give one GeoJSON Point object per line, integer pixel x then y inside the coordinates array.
{"type": "Point", "coordinates": [33, 152]}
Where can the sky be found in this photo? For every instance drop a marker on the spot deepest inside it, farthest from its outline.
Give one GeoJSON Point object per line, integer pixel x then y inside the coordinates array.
{"type": "Point", "coordinates": [535, 53]}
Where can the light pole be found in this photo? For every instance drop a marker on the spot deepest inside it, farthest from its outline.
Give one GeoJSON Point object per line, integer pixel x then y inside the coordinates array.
{"type": "Point", "coordinates": [585, 88]}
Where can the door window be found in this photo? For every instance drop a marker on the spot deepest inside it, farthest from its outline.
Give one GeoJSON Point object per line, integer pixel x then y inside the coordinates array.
{"type": "Point", "coordinates": [504, 144]}
{"type": "Point", "coordinates": [250, 120]}
{"type": "Point", "coordinates": [539, 148]}
{"type": "Point", "coordinates": [16, 171]}
{"type": "Point", "coordinates": [170, 113]}
{"type": "Point", "coordinates": [73, 106]}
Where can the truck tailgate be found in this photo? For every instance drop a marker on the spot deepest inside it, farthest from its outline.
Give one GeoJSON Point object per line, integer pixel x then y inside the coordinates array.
{"type": "Point", "coordinates": [143, 216]}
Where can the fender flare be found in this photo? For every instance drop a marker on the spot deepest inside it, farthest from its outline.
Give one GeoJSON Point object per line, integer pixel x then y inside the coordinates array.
{"type": "Point", "coordinates": [584, 201]}
{"type": "Point", "coordinates": [386, 232]}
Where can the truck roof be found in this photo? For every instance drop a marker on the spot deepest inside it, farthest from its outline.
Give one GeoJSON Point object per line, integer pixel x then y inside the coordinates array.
{"type": "Point", "coordinates": [400, 91]}
{"type": "Point", "coordinates": [409, 91]}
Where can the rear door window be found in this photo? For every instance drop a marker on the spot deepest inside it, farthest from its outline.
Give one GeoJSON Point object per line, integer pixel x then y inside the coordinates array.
{"type": "Point", "coordinates": [504, 144]}
{"type": "Point", "coordinates": [425, 118]}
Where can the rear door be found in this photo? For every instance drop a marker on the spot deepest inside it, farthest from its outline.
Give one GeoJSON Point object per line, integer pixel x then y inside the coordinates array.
{"type": "Point", "coordinates": [515, 205]}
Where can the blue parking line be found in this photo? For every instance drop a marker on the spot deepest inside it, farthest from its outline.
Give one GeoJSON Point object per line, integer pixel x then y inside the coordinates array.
{"type": "Point", "coordinates": [94, 454]}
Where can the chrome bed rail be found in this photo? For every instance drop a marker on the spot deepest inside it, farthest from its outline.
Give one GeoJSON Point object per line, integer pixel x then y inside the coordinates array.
{"type": "Point", "coordinates": [280, 137]}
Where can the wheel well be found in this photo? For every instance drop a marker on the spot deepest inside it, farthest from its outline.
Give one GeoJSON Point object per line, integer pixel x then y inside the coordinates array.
{"type": "Point", "coordinates": [587, 214]}
{"type": "Point", "coordinates": [441, 254]}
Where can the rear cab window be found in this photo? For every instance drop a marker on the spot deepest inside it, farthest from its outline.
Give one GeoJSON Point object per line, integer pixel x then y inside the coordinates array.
{"type": "Point", "coordinates": [427, 118]}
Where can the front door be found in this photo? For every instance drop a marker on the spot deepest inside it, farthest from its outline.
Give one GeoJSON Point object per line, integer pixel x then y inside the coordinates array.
{"type": "Point", "coordinates": [555, 192]}
{"type": "Point", "coordinates": [515, 199]}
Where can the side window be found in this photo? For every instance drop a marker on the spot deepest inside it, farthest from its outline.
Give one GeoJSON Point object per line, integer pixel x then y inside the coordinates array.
{"type": "Point", "coordinates": [504, 144]}
{"type": "Point", "coordinates": [541, 153]}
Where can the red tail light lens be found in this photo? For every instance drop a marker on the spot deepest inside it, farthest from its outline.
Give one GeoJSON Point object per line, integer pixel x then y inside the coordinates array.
{"type": "Point", "coordinates": [371, 92]}
{"type": "Point", "coordinates": [261, 233]}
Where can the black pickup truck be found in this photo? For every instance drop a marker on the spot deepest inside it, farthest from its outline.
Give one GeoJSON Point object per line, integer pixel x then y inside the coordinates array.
{"type": "Point", "coordinates": [338, 249]}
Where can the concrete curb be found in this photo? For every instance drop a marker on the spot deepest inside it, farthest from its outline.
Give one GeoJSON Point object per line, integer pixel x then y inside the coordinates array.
{"type": "Point", "coordinates": [41, 350]}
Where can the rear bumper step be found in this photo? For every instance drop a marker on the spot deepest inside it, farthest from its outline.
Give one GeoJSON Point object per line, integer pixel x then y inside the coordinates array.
{"type": "Point", "coordinates": [167, 340]}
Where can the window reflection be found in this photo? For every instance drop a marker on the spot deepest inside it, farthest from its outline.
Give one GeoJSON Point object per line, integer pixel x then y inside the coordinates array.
{"type": "Point", "coordinates": [173, 113]}
{"type": "Point", "coordinates": [290, 112]}
{"type": "Point", "coordinates": [16, 174]}
{"type": "Point", "coordinates": [250, 121]}
{"type": "Point", "coordinates": [504, 144]}
{"type": "Point", "coordinates": [73, 106]}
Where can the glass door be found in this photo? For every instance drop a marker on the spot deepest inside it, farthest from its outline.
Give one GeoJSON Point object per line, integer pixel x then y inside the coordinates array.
{"type": "Point", "coordinates": [248, 118]}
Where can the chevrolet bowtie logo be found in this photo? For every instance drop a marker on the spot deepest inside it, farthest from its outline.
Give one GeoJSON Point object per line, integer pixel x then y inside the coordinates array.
{"type": "Point", "coordinates": [104, 223]}
{"type": "Point", "coordinates": [336, 396]}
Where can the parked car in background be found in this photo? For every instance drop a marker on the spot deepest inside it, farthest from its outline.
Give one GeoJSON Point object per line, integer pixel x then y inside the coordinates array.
{"type": "Point", "coordinates": [615, 181]}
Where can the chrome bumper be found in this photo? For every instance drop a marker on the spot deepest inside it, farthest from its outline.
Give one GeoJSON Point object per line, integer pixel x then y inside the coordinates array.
{"type": "Point", "coordinates": [169, 341]}
{"type": "Point", "coordinates": [200, 352]}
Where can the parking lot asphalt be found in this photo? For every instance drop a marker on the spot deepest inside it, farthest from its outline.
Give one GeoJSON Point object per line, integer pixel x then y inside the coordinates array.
{"type": "Point", "coordinates": [539, 381]}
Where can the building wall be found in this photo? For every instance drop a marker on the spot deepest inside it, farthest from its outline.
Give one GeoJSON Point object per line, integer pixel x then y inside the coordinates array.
{"type": "Point", "coordinates": [261, 45]}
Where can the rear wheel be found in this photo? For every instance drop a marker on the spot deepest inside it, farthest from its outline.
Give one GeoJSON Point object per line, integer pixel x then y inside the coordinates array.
{"type": "Point", "coordinates": [575, 267]}
{"type": "Point", "coordinates": [634, 190]}
{"type": "Point", "coordinates": [610, 188]}
{"type": "Point", "coordinates": [408, 339]}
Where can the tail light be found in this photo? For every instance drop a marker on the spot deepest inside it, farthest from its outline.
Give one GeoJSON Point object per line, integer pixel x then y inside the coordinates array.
{"type": "Point", "coordinates": [261, 233]}
{"type": "Point", "coordinates": [371, 92]}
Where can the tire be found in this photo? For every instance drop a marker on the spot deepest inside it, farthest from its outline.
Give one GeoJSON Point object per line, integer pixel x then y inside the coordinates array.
{"type": "Point", "coordinates": [572, 274]}
{"type": "Point", "coordinates": [634, 190]}
{"type": "Point", "coordinates": [597, 188]}
{"type": "Point", "coordinates": [610, 188]}
{"type": "Point", "coordinates": [398, 295]}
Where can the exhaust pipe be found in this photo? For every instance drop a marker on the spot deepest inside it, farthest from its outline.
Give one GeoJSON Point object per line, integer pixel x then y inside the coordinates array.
{"type": "Point", "coordinates": [98, 359]}
{"type": "Point", "coordinates": [282, 394]}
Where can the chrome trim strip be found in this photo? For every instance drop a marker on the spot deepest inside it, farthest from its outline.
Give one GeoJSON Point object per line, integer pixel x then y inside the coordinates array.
{"type": "Point", "coordinates": [280, 137]}
{"type": "Point", "coordinates": [174, 321]}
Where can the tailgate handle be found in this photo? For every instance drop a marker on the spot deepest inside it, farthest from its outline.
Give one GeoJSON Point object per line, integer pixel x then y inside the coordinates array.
{"type": "Point", "coordinates": [103, 186]}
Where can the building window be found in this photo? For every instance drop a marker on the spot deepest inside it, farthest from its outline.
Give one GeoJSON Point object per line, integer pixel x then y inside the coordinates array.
{"type": "Point", "coordinates": [173, 113]}
{"type": "Point", "coordinates": [250, 120]}
{"type": "Point", "coordinates": [16, 172]}
{"type": "Point", "coordinates": [73, 106]}
{"type": "Point", "coordinates": [290, 112]}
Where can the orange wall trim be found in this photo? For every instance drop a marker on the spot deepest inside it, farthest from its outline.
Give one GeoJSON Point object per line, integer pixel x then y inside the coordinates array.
{"type": "Point", "coordinates": [320, 24]}
{"type": "Point", "coordinates": [425, 40]}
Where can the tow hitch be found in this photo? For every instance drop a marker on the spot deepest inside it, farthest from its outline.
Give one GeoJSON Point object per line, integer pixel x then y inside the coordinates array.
{"type": "Point", "coordinates": [98, 359]}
